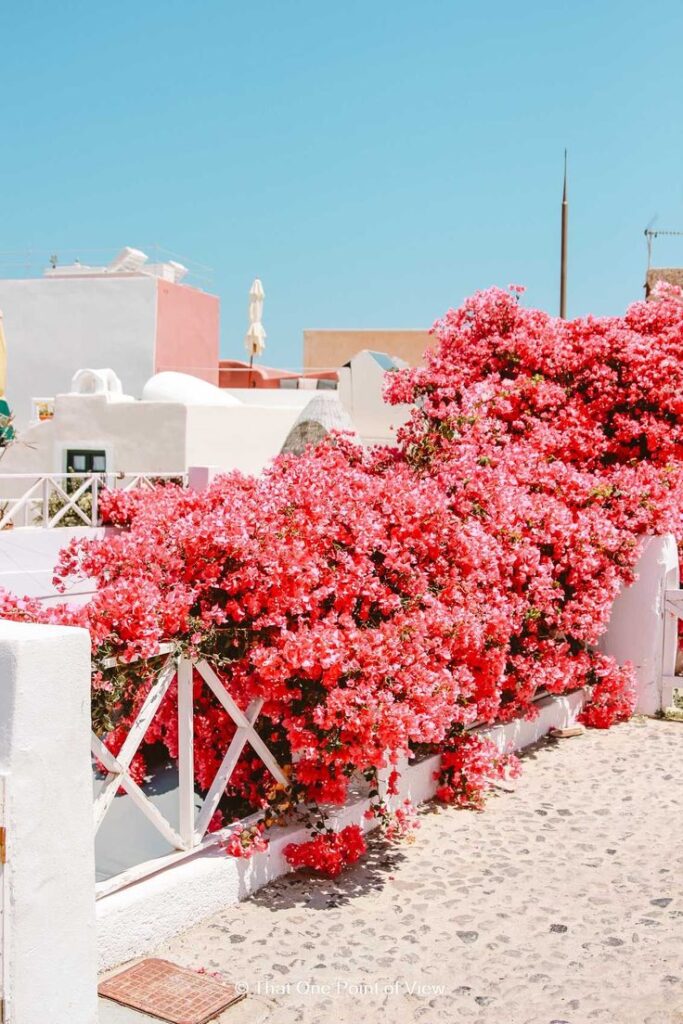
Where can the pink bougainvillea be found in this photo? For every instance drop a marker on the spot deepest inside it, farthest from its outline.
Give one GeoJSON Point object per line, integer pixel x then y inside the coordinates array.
{"type": "Point", "coordinates": [470, 766]}
{"type": "Point", "coordinates": [382, 601]}
{"type": "Point", "coordinates": [328, 853]}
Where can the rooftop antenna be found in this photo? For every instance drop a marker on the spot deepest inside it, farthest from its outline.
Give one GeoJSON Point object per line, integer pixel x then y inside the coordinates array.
{"type": "Point", "coordinates": [651, 234]}
{"type": "Point", "coordinates": [563, 246]}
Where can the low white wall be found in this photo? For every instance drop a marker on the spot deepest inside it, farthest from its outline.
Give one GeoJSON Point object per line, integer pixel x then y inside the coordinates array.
{"type": "Point", "coordinates": [50, 945]}
{"type": "Point", "coordinates": [29, 555]}
{"type": "Point", "coordinates": [636, 628]}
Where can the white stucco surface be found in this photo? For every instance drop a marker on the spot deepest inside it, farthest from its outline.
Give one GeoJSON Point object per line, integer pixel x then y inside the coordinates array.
{"type": "Point", "coordinates": [636, 627]}
{"type": "Point", "coordinates": [244, 437]}
{"type": "Point", "coordinates": [152, 436]}
{"type": "Point", "coordinates": [360, 391]}
{"type": "Point", "coordinates": [28, 557]}
{"type": "Point", "coordinates": [271, 397]}
{"type": "Point", "coordinates": [50, 948]}
{"type": "Point", "coordinates": [181, 387]}
{"type": "Point", "coordinates": [56, 325]}
{"type": "Point", "coordinates": [137, 437]}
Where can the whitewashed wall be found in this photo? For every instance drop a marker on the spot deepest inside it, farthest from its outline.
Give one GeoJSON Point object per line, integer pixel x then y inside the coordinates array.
{"type": "Point", "coordinates": [360, 392]}
{"type": "Point", "coordinates": [28, 557]}
{"type": "Point", "coordinates": [50, 945]}
{"type": "Point", "coordinates": [245, 437]}
{"type": "Point", "coordinates": [56, 325]}
{"type": "Point", "coordinates": [636, 628]}
{"type": "Point", "coordinates": [152, 437]}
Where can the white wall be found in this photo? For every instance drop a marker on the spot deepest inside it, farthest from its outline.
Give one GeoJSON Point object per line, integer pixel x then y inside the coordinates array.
{"type": "Point", "coordinates": [243, 437]}
{"type": "Point", "coordinates": [272, 397]}
{"type": "Point", "coordinates": [636, 628]}
{"type": "Point", "coordinates": [151, 437]}
{"type": "Point", "coordinates": [28, 557]}
{"type": "Point", "coordinates": [50, 945]}
{"type": "Point", "coordinates": [138, 437]}
{"type": "Point", "coordinates": [360, 392]}
{"type": "Point", "coordinates": [54, 326]}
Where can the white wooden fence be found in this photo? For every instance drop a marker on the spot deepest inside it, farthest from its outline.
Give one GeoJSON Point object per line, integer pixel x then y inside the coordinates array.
{"type": "Point", "coordinates": [45, 501]}
{"type": "Point", "coordinates": [192, 831]}
{"type": "Point", "coordinates": [673, 612]}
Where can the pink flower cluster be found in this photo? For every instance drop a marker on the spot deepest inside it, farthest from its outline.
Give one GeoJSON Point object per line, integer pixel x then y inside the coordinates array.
{"type": "Point", "coordinates": [469, 768]}
{"type": "Point", "coordinates": [246, 841]}
{"type": "Point", "coordinates": [328, 853]}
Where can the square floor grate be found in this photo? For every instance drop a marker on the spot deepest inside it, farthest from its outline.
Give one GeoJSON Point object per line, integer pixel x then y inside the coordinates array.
{"type": "Point", "coordinates": [172, 993]}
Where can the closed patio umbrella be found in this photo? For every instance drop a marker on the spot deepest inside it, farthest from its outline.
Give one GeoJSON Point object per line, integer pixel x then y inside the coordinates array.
{"type": "Point", "coordinates": [255, 338]}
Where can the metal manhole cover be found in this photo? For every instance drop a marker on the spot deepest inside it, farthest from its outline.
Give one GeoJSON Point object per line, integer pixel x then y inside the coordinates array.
{"type": "Point", "coordinates": [172, 993]}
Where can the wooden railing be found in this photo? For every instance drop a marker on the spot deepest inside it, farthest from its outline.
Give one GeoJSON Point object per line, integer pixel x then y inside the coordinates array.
{"type": "Point", "coordinates": [58, 499]}
{"type": "Point", "coordinates": [192, 831]}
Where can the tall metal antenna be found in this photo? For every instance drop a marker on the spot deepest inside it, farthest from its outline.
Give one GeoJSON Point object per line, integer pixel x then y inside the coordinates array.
{"type": "Point", "coordinates": [563, 246]}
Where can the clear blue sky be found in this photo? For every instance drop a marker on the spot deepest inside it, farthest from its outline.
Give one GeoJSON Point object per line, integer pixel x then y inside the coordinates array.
{"type": "Point", "coordinates": [373, 161]}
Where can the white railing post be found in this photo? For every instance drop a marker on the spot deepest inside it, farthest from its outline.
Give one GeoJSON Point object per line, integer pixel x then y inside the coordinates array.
{"type": "Point", "coordinates": [4, 897]}
{"type": "Point", "coordinates": [50, 955]}
{"type": "Point", "coordinates": [45, 504]}
{"type": "Point", "coordinates": [186, 752]}
{"type": "Point", "coordinates": [199, 478]}
{"type": "Point", "coordinates": [637, 628]}
{"type": "Point", "coordinates": [95, 495]}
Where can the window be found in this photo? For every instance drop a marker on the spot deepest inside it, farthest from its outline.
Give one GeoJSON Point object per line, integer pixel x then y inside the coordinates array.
{"type": "Point", "coordinates": [85, 460]}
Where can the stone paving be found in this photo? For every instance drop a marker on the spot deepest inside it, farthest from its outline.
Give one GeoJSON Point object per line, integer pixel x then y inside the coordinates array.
{"type": "Point", "coordinates": [562, 903]}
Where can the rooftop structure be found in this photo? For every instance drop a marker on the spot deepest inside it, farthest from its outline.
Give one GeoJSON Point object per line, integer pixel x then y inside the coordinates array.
{"type": "Point", "coordinates": [361, 392]}
{"type": "Point", "coordinates": [670, 275]}
{"type": "Point", "coordinates": [235, 373]}
{"type": "Point", "coordinates": [328, 349]}
{"type": "Point", "coordinates": [132, 314]}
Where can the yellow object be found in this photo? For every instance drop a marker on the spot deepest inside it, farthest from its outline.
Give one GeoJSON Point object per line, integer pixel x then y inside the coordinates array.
{"type": "Point", "coordinates": [3, 358]}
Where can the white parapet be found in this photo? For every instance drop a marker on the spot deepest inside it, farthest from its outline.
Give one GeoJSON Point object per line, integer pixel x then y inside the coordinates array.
{"type": "Point", "coordinates": [49, 949]}
{"type": "Point", "coordinates": [636, 628]}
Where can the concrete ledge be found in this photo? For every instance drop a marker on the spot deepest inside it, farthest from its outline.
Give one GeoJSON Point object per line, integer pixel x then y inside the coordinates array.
{"type": "Point", "coordinates": [136, 919]}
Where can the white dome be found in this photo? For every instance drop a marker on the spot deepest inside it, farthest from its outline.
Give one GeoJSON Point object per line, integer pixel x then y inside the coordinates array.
{"type": "Point", "coordinates": [185, 390]}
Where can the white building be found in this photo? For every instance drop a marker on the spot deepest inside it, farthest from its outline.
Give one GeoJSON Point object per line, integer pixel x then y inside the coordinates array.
{"type": "Point", "coordinates": [180, 422]}
{"type": "Point", "coordinates": [131, 314]}
{"type": "Point", "coordinates": [360, 390]}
